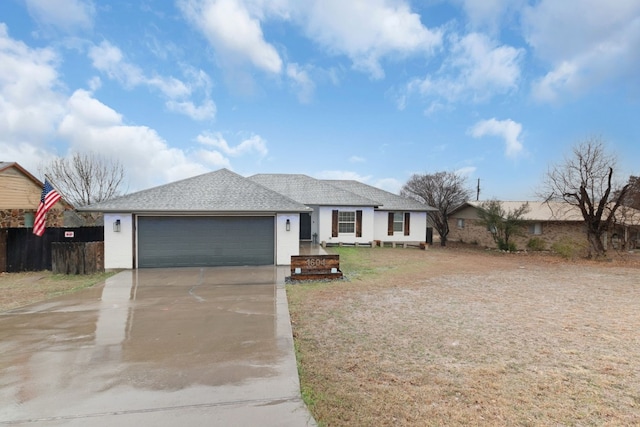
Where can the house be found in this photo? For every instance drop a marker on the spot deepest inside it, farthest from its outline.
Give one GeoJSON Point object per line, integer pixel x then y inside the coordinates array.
{"type": "Point", "coordinates": [626, 228]}
{"type": "Point", "coordinates": [221, 218]}
{"type": "Point", "coordinates": [548, 222]}
{"type": "Point", "coordinates": [20, 194]}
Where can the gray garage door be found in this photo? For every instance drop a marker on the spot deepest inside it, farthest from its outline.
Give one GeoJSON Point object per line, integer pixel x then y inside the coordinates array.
{"type": "Point", "coordinates": [205, 241]}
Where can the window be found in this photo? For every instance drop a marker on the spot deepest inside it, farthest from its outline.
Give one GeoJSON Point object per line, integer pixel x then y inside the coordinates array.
{"type": "Point", "coordinates": [460, 222]}
{"type": "Point", "coordinates": [398, 221]}
{"type": "Point", "coordinates": [535, 229]}
{"type": "Point", "coordinates": [346, 222]}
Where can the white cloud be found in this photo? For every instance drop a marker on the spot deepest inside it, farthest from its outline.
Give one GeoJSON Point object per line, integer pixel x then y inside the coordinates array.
{"type": "Point", "coordinates": [477, 70]}
{"type": "Point", "coordinates": [367, 30]}
{"type": "Point", "coordinates": [509, 130]}
{"type": "Point", "coordinates": [336, 174]}
{"type": "Point", "coordinates": [90, 125]}
{"type": "Point", "coordinates": [66, 15]}
{"type": "Point", "coordinates": [391, 185]}
{"type": "Point", "coordinates": [357, 159]}
{"type": "Point", "coordinates": [301, 81]}
{"type": "Point", "coordinates": [581, 44]}
{"type": "Point", "coordinates": [234, 31]}
{"type": "Point", "coordinates": [253, 144]}
{"type": "Point", "coordinates": [488, 14]}
{"type": "Point", "coordinates": [110, 60]}
{"type": "Point", "coordinates": [466, 171]}
{"type": "Point", "coordinates": [204, 111]}
{"type": "Point", "coordinates": [30, 106]}
{"type": "Point", "coordinates": [35, 112]}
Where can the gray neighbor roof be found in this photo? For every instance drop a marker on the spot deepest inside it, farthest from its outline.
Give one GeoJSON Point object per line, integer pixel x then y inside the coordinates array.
{"type": "Point", "coordinates": [219, 191]}
{"type": "Point", "coordinates": [311, 191]}
{"type": "Point", "coordinates": [390, 201]}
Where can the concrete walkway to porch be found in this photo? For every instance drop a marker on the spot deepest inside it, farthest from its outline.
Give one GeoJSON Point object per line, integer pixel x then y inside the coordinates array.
{"type": "Point", "coordinates": [310, 248]}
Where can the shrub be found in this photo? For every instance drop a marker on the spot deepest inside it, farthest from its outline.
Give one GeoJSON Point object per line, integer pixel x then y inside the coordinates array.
{"type": "Point", "coordinates": [536, 244]}
{"type": "Point", "coordinates": [510, 247]}
{"type": "Point", "coordinates": [565, 248]}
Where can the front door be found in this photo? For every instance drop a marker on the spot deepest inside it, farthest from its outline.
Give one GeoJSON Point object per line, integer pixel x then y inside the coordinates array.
{"type": "Point", "coordinates": [305, 226]}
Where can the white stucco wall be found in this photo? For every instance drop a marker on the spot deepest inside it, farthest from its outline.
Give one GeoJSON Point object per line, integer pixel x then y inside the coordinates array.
{"type": "Point", "coordinates": [417, 228]}
{"type": "Point", "coordinates": [287, 242]}
{"type": "Point", "coordinates": [324, 225]}
{"type": "Point", "coordinates": [118, 246]}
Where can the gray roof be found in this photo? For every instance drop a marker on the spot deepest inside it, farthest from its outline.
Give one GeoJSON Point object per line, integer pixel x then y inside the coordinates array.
{"type": "Point", "coordinates": [220, 191]}
{"type": "Point", "coordinates": [310, 191]}
{"type": "Point", "coordinates": [390, 201]}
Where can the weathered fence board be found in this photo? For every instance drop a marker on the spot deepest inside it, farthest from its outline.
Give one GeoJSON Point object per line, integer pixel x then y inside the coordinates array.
{"type": "Point", "coordinates": [315, 267]}
{"type": "Point", "coordinates": [77, 257]}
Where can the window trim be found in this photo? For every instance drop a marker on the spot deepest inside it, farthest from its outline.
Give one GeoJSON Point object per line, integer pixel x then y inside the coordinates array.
{"type": "Point", "coordinates": [343, 222]}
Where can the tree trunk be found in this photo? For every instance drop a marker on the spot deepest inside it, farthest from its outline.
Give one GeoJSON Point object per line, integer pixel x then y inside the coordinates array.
{"type": "Point", "coordinates": [596, 247]}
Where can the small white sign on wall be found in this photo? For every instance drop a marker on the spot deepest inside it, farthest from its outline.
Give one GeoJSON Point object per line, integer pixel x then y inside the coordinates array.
{"type": "Point", "coordinates": [69, 233]}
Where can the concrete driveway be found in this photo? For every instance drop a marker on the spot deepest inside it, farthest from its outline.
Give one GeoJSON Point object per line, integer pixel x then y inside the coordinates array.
{"type": "Point", "coordinates": [161, 347]}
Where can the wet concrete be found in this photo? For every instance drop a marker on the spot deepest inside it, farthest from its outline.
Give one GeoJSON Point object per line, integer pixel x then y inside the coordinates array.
{"type": "Point", "coordinates": [158, 347]}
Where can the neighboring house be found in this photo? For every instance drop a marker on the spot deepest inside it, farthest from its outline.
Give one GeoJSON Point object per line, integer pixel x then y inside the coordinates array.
{"type": "Point", "coordinates": [626, 229]}
{"type": "Point", "coordinates": [551, 222]}
{"type": "Point", "coordinates": [221, 218]}
{"type": "Point", "coordinates": [347, 211]}
{"type": "Point", "coordinates": [20, 194]}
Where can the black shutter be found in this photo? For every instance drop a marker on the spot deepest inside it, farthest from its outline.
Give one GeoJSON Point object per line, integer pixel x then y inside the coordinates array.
{"type": "Point", "coordinates": [407, 217]}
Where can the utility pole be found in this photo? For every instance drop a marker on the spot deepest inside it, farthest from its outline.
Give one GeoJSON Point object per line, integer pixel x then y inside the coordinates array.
{"type": "Point", "coordinates": [478, 191]}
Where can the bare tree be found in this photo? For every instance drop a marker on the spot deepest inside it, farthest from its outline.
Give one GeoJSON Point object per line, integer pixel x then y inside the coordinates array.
{"type": "Point", "coordinates": [585, 180]}
{"type": "Point", "coordinates": [86, 178]}
{"type": "Point", "coordinates": [441, 190]}
{"type": "Point", "coordinates": [502, 224]}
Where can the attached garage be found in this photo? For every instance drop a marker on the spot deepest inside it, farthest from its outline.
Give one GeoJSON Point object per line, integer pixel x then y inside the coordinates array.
{"type": "Point", "coordinates": [205, 241]}
{"type": "Point", "coordinates": [216, 219]}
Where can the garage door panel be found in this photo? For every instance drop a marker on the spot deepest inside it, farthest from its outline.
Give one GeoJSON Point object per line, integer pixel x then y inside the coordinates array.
{"type": "Point", "coordinates": [205, 241]}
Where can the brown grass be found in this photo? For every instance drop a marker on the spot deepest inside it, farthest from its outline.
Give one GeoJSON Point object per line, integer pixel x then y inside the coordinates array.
{"type": "Point", "coordinates": [459, 337]}
{"type": "Point", "coordinates": [20, 289]}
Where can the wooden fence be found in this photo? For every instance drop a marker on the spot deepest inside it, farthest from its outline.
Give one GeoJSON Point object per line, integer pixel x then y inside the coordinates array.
{"type": "Point", "coordinates": [24, 251]}
{"type": "Point", "coordinates": [77, 257]}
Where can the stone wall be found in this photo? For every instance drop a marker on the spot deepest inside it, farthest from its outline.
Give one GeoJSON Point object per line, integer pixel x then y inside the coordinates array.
{"type": "Point", "coordinates": [552, 232]}
{"type": "Point", "coordinates": [15, 218]}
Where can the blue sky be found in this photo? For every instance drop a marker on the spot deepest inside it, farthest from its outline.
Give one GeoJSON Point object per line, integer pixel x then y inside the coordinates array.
{"type": "Point", "coordinates": [373, 90]}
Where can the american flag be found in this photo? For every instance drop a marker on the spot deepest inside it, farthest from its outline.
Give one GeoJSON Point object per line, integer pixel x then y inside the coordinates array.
{"type": "Point", "coordinates": [49, 198]}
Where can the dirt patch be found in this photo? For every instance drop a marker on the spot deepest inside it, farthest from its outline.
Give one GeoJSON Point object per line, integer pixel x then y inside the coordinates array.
{"type": "Point", "coordinates": [466, 337]}
{"type": "Point", "coordinates": [20, 289]}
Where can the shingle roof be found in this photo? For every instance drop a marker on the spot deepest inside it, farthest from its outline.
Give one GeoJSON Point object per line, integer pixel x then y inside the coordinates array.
{"type": "Point", "coordinates": [219, 191]}
{"type": "Point", "coordinates": [311, 191]}
{"type": "Point", "coordinates": [390, 201]}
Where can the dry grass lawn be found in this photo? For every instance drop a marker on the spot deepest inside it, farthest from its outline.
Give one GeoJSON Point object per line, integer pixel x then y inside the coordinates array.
{"type": "Point", "coordinates": [462, 337]}
{"type": "Point", "coordinates": [20, 289]}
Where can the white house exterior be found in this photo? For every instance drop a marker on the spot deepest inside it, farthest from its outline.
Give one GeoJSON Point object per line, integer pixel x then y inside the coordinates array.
{"type": "Point", "coordinates": [215, 219]}
{"type": "Point", "coordinates": [364, 213]}
{"type": "Point", "coordinates": [221, 218]}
